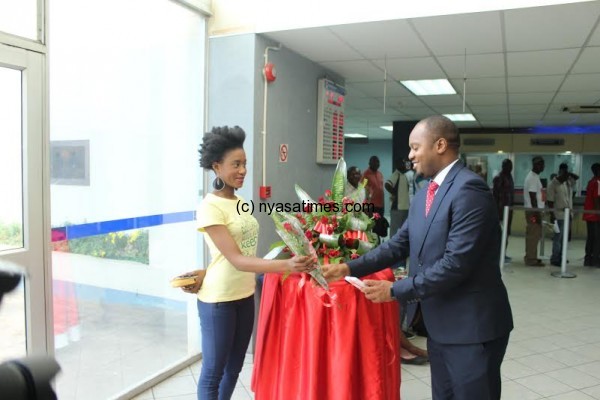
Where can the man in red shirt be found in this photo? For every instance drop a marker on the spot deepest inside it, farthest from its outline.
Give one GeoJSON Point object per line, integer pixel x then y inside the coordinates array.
{"type": "Point", "coordinates": [374, 184]}
{"type": "Point", "coordinates": [374, 188]}
{"type": "Point", "coordinates": [592, 202]}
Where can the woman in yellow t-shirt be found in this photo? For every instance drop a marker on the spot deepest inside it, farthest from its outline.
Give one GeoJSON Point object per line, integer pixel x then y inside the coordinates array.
{"type": "Point", "coordinates": [225, 289]}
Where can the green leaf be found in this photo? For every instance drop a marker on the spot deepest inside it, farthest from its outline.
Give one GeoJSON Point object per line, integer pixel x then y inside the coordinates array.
{"type": "Point", "coordinates": [338, 184]}
{"type": "Point", "coordinates": [302, 195]}
{"type": "Point", "coordinates": [276, 244]}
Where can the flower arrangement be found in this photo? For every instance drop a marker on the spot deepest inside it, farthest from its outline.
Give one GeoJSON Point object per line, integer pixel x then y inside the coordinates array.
{"type": "Point", "coordinates": [335, 227]}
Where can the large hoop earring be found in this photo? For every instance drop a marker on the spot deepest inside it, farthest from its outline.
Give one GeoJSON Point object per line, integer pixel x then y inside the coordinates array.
{"type": "Point", "coordinates": [218, 184]}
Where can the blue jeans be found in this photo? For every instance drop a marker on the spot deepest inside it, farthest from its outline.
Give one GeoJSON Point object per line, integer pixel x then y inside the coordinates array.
{"type": "Point", "coordinates": [557, 241]}
{"type": "Point", "coordinates": [226, 330]}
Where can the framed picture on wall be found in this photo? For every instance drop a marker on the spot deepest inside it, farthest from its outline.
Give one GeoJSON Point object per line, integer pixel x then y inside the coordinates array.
{"type": "Point", "coordinates": [70, 162]}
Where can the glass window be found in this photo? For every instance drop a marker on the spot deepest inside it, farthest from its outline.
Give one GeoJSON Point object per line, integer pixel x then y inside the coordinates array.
{"type": "Point", "coordinates": [523, 165]}
{"type": "Point", "coordinates": [488, 165]}
{"type": "Point", "coordinates": [11, 200]}
{"type": "Point", "coordinates": [126, 117]}
{"type": "Point", "coordinates": [12, 334]}
{"type": "Point", "coordinates": [19, 17]}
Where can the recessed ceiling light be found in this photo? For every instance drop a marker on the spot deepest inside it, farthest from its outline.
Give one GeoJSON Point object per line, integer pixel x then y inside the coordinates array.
{"type": "Point", "coordinates": [388, 128]}
{"type": "Point", "coordinates": [431, 87]}
{"type": "Point", "coordinates": [460, 117]}
{"type": "Point", "coordinates": [355, 135]}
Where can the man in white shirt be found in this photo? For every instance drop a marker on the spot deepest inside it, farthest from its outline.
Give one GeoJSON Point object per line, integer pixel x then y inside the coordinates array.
{"type": "Point", "coordinates": [410, 178]}
{"type": "Point", "coordinates": [398, 187]}
{"type": "Point", "coordinates": [532, 198]}
{"type": "Point", "coordinates": [559, 197]}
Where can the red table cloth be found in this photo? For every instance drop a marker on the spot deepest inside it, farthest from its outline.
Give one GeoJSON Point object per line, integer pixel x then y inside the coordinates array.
{"type": "Point", "coordinates": [308, 351]}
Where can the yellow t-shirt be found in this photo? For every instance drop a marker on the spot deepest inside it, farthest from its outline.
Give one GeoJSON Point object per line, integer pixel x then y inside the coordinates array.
{"type": "Point", "coordinates": [223, 282]}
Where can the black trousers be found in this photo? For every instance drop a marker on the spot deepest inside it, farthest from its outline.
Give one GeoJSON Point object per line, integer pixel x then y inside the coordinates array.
{"type": "Point", "coordinates": [466, 371]}
{"type": "Point", "coordinates": [592, 244]}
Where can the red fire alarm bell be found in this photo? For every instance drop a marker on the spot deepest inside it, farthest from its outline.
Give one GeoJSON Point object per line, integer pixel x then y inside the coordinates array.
{"type": "Point", "coordinates": [269, 72]}
{"type": "Point", "coordinates": [264, 192]}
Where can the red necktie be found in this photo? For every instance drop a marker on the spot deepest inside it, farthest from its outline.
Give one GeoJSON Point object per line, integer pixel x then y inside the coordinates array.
{"type": "Point", "coordinates": [430, 194]}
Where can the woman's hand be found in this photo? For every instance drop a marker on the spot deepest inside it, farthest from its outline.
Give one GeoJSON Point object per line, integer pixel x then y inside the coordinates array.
{"type": "Point", "coordinates": [200, 273]}
{"type": "Point", "coordinates": [301, 263]}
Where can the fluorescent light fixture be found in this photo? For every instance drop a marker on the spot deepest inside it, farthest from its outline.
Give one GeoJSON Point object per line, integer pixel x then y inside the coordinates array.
{"type": "Point", "coordinates": [388, 128]}
{"type": "Point", "coordinates": [355, 135]}
{"type": "Point", "coordinates": [460, 117]}
{"type": "Point", "coordinates": [500, 152]}
{"type": "Point", "coordinates": [430, 87]}
{"type": "Point", "coordinates": [567, 152]}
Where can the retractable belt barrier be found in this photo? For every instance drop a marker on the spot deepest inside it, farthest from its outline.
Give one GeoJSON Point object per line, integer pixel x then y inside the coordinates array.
{"type": "Point", "coordinates": [565, 239]}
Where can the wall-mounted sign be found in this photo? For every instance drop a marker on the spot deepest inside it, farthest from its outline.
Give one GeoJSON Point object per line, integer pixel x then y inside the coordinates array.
{"type": "Point", "coordinates": [283, 152]}
{"type": "Point", "coordinates": [330, 122]}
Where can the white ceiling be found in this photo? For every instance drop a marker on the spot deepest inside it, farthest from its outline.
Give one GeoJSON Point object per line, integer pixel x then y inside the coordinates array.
{"type": "Point", "coordinates": [522, 66]}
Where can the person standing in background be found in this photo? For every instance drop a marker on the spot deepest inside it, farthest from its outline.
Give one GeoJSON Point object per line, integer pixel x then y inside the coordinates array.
{"type": "Point", "coordinates": [351, 189]}
{"type": "Point", "coordinates": [374, 185]}
{"type": "Point", "coordinates": [532, 198]}
{"type": "Point", "coordinates": [398, 187]}
{"type": "Point", "coordinates": [592, 203]}
{"type": "Point", "coordinates": [503, 190]}
{"type": "Point", "coordinates": [410, 178]}
{"type": "Point", "coordinates": [559, 197]}
{"type": "Point", "coordinates": [571, 181]}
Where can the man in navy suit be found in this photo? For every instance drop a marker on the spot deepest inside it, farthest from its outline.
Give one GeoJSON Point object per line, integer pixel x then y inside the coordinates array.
{"type": "Point", "coordinates": [452, 236]}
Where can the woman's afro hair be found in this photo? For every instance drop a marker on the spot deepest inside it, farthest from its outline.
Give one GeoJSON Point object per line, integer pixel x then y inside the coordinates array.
{"type": "Point", "coordinates": [219, 141]}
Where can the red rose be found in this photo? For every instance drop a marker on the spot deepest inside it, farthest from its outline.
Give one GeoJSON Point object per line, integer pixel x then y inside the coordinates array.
{"type": "Point", "coordinates": [287, 226]}
{"type": "Point", "coordinates": [324, 220]}
{"type": "Point", "coordinates": [354, 256]}
{"type": "Point", "coordinates": [321, 200]}
{"type": "Point", "coordinates": [328, 193]}
{"type": "Point", "coordinates": [376, 216]}
{"type": "Point", "coordinates": [308, 234]}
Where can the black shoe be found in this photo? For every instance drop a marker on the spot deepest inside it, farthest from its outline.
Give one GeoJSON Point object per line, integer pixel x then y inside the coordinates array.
{"type": "Point", "coordinates": [418, 360]}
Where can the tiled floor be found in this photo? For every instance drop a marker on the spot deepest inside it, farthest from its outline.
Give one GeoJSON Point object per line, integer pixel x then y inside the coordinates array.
{"type": "Point", "coordinates": [553, 353]}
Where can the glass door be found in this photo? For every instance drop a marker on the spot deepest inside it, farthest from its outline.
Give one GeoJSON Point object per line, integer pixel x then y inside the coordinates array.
{"type": "Point", "coordinates": [22, 216]}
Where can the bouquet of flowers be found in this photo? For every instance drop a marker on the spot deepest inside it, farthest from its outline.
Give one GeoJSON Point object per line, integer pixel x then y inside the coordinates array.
{"type": "Point", "coordinates": [335, 227]}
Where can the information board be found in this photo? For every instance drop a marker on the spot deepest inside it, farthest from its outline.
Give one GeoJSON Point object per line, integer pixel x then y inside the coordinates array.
{"type": "Point", "coordinates": [330, 122]}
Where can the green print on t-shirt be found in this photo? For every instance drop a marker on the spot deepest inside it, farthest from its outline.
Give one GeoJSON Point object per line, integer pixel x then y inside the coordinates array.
{"type": "Point", "coordinates": [249, 230]}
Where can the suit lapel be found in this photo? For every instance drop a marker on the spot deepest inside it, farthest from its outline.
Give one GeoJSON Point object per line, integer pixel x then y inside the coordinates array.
{"type": "Point", "coordinates": [437, 200]}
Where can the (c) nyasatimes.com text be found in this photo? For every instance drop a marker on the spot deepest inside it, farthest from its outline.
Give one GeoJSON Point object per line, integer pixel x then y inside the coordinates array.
{"type": "Point", "coordinates": [304, 206]}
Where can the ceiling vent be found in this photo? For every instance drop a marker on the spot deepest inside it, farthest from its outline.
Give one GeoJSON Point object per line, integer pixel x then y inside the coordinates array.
{"type": "Point", "coordinates": [581, 109]}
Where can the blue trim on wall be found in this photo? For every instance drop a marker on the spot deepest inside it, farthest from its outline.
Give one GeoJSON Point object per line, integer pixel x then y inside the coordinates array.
{"type": "Point", "coordinates": [103, 227]}
{"type": "Point", "coordinates": [567, 130]}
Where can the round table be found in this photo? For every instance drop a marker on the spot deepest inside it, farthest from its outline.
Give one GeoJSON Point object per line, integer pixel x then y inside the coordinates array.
{"type": "Point", "coordinates": [309, 349]}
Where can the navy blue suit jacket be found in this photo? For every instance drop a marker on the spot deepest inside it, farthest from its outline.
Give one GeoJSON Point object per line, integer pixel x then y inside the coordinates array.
{"type": "Point", "coordinates": [454, 262]}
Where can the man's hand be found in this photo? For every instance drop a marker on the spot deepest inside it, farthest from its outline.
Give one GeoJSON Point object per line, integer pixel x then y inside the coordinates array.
{"type": "Point", "coordinates": [334, 272]}
{"type": "Point", "coordinates": [377, 291]}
